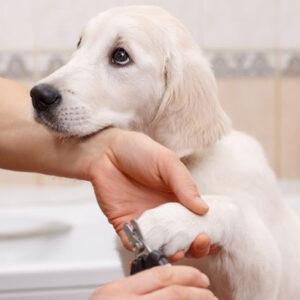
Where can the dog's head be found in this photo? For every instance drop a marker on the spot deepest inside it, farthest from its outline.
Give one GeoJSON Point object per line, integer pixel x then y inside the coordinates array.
{"type": "Point", "coordinates": [135, 68]}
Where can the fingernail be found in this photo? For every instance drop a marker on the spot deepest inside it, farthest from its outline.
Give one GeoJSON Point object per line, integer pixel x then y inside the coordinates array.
{"type": "Point", "coordinates": [204, 204]}
{"type": "Point", "coordinates": [203, 248]}
{"type": "Point", "coordinates": [205, 279]}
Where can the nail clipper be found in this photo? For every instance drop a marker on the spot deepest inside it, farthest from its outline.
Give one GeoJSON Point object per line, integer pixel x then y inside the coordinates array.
{"type": "Point", "coordinates": [145, 258]}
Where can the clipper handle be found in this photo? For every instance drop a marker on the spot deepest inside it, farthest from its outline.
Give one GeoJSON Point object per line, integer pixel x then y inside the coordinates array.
{"type": "Point", "coordinates": [156, 258]}
{"type": "Point", "coordinates": [143, 262]}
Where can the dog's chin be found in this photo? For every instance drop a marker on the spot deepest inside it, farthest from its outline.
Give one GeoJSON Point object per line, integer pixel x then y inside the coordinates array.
{"type": "Point", "coordinates": [62, 131]}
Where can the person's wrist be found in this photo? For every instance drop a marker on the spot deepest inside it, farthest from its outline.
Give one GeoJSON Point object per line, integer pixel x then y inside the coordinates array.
{"type": "Point", "coordinates": [64, 157]}
{"type": "Point", "coordinates": [93, 150]}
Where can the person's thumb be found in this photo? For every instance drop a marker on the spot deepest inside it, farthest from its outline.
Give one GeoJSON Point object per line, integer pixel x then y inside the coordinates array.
{"type": "Point", "coordinates": [175, 175]}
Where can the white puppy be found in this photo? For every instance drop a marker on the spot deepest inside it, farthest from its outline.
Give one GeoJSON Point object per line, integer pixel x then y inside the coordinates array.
{"type": "Point", "coordinates": [138, 68]}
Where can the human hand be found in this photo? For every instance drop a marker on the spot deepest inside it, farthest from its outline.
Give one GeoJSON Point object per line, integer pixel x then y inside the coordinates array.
{"type": "Point", "coordinates": [133, 173]}
{"type": "Point", "coordinates": [176, 282]}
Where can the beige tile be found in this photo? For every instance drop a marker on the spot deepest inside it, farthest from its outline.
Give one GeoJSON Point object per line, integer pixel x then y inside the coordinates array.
{"type": "Point", "coordinates": [251, 105]}
{"type": "Point", "coordinates": [290, 128]}
{"type": "Point", "coordinates": [11, 177]}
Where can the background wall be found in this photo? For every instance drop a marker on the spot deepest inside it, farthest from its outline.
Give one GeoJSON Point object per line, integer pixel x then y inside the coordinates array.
{"type": "Point", "coordinates": [253, 46]}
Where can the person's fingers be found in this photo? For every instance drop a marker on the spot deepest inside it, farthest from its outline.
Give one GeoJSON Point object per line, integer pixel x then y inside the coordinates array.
{"type": "Point", "coordinates": [177, 177]}
{"type": "Point", "coordinates": [177, 292]}
{"type": "Point", "coordinates": [160, 277]}
{"type": "Point", "coordinates": [200, 246]}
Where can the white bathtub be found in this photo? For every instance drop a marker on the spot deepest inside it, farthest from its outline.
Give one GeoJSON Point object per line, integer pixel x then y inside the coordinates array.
{"type": "Point", "coordinates": [65, 264]}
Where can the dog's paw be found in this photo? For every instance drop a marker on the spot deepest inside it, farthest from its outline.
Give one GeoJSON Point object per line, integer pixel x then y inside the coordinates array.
{"type": "Point", "coordinates": [170, 227]}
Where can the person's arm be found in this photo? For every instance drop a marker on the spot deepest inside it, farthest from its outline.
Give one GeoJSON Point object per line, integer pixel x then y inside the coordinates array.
{"type": "Point", "coordinates": [28, 146]}
{"type": "Point", "coordinates": [129, 171]}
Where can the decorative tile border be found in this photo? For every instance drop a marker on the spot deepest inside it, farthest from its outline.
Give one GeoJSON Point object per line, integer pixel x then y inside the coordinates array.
{"type": "Point", "coordinates": [16, 65]}
{"type": "Point", "coordinates": [31, 65]}
{"type": "Point", "coordinates": [242, 64]}
{"type": "Point", "coordinates": [290, 64]}
{"type": "Point", "coordinates": [225, 64]}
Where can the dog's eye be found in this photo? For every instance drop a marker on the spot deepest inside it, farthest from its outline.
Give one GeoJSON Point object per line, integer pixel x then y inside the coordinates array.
{"type": "Point", "coordinates": [79, 43]}
{"type": "Point", "coordinates": [120, 57]}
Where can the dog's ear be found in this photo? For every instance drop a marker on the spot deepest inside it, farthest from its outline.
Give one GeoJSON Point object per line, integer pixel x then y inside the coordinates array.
{"type": "Point", "coordinates": [190, 117]}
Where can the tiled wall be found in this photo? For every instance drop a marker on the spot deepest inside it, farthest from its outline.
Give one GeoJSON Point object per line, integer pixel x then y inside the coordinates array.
{"type": "Point", "coordinates": [253, 46]}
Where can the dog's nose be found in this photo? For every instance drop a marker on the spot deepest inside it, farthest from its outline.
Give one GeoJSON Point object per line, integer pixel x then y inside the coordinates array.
{"type": "Point", "coordinates": [44, 96]}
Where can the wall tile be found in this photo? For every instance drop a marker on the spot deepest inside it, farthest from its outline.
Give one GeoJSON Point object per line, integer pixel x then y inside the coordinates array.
{"type": "Point", "coordinates": [290, 128]}
{"type": "Point", "coordinates": [290, 64]}
{"type": "Point", "coordinates": [250, 103]}
{"type": "Point", "coordinates": [239, 24]}
{"type": "Point", "coordinates": [289, 24]}
{"type": "Point", "coordinates": [188, 12]}
{"type": "Point", "coordinates": [16, 25]}
{"type": "Point", "coordinates": [58, 24]}
{"type": "Point", "coordinates": [239, 64]}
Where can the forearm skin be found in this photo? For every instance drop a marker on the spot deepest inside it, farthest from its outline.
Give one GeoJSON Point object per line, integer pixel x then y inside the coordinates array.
{"type": "Point", "coordinates": [28, 146]}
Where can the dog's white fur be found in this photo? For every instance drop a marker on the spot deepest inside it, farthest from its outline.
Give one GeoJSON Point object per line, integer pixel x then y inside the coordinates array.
{"type": "Point", "coordinates": [169, 93]}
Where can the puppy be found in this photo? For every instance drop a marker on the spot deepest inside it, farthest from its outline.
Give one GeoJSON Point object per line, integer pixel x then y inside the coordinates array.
{"type": "Point", "coordinates": [138, 68]}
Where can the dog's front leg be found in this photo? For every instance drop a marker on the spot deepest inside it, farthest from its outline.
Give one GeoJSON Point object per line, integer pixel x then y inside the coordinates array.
{"type": "Point", "coordinates": [249, 255]}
